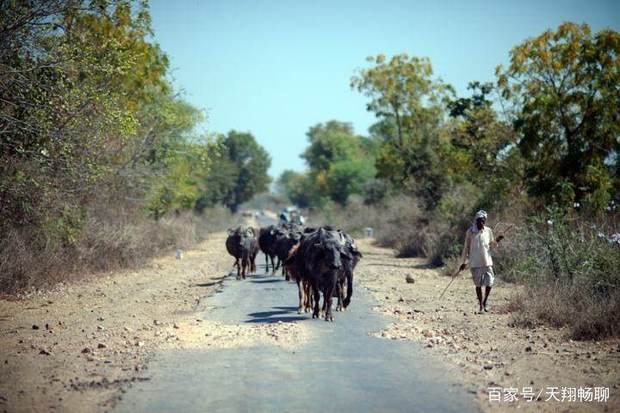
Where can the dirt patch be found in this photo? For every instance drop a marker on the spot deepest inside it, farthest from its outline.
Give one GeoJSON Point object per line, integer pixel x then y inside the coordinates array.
{"type": "Point", "coordinates": [80, 346]}
{"type": "Point", "coordinates": [205, 334]}
{"type": "Point", "coordinates": [485, 350]}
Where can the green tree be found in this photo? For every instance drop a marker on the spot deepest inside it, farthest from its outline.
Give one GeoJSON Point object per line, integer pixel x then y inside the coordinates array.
{"type": "Point", "coordinates": [564, 88]}
{"type": "Point", "coordinates": [410, 106]}
{"type": "Point", "coordinates": [252, 163]}
{"type": "Point", "coordinates": [348, 177]}
{"type": "Point", "coordinates": [298, 188]}
{"type": "Point", "coordinates": [89, 117]}
{"type": "Point", "coordinates": [330, 142]}
{"type": "Point", "coordinates": [403, 91]}
{"type": "Point", "coordinates": [339, 162]}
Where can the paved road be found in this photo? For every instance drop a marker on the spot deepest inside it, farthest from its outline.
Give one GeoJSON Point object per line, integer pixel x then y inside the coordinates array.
{"type": "Point", "coordinates": [341, 369]}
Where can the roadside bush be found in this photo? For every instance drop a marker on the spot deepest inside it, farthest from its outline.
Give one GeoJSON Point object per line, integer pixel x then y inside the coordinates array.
{"type": "Point", "coordinates": [112, 238]}
{"type": "Point", "coordinates": [570, 270]}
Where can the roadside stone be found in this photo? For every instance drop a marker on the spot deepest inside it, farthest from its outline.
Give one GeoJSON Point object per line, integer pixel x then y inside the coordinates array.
{"type": "Point", "coordinates": [44, 352]}
{"type": "Point", "coordinates": [428, 333]}
{"type": "Point", "coordinates": [86, 350]}
{"type": "Point", "coordinates": [139, 343]}
{"type": "Point", "coordinates": [101, 345]}
{"type": "Point", "coordinates": [409, 279]}
{"type": "Point", "coordinates": [35, 327]}
{"type": "Point", "coordinates": [528, 349]}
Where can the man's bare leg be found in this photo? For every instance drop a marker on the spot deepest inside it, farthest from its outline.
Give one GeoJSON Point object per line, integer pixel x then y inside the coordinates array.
{"type": "Point", "coordinates": [479, 295]}
{"type": "Point", "coordinates": [487, 291]}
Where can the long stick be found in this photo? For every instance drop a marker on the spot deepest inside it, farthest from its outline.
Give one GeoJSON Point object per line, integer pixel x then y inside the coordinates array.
{"type": "Point", "coordinates": [451, 281]}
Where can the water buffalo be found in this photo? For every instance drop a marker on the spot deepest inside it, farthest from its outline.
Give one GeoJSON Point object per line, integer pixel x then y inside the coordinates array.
{"type": "Point", "coordinates": [350, 259]}
{"type": "Point", "coordinates": [283, 245]}
{"type": "Point", "coordinates": [291, 265]}
{"type": "Point", "coordinates": [267, 242]}
{"type": "Point", "coordinates": [319, 259]}
{"type": "Point", "coordinates": [249, 252]}
{"type": "Point", "coordinates": [242, 244]}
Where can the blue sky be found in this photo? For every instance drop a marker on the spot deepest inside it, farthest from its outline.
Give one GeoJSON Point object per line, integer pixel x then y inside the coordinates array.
{"type": "Point", "coordinates": [275, 68]}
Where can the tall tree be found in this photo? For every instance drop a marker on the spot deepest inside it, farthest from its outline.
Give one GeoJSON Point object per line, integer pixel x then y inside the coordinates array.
{"type": "Point", "coordinates": [339, 162]}
{"type": "Point", "coordinates": [252, 163]}
{"type": "Point", "coordinates": [409, 103]}
{"type": "Point", "coordinates": [564, 85]}
{"type": "Point", "coordinates": [402, 90]}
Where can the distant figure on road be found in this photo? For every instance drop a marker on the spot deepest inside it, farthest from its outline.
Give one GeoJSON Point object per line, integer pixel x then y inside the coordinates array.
{"type": "Point", "coordinates": [479, 241]}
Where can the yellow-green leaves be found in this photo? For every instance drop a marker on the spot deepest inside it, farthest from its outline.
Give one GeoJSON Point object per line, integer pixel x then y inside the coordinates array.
{"type": "Point", "coordinates": [565, 88]}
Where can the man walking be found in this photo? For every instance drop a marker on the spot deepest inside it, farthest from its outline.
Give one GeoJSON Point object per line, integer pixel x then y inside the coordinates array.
{"type": "Point", "coordinates": [479, 241]}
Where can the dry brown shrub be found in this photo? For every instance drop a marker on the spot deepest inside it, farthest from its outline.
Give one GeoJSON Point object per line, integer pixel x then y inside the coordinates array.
{"type": "Point", "coordinates": [110, 239]}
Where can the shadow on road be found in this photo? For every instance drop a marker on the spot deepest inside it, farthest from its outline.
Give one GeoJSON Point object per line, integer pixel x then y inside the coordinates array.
{"type": "Point", "coordinates": [278, 314]}
{"type": "Point", "coordinates": [215, 281]}
{"type": "Point", "coordinates": [267, 281]}
{"type": "Point", "coordinates": [290, 309]}
{"type": "Point", "coordinates": [287, 319]}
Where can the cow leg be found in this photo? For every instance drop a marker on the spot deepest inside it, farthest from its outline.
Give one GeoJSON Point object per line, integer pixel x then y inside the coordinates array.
{"type": "Point", "coordinates": [340, 291]}
{"type": "Point", "coordinates": [266, 263]}
{"type": "Point", "coordinates": [328, 292]}
{"type": "Point", "coordinates": [317, 298]}
{"type": "Point", "coordinates": [302, 298]}
{"type": "Point", "coordinates": [339, 295]}
{"type": "Point", "coordinates": [308, 303]}
{"type": "Point", "coordinates": [253, 262]}
{"type": "Point", "coordinates": [238, 268]}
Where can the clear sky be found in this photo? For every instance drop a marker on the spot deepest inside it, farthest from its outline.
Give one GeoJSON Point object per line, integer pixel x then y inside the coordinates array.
{"type": "Point", "coordinates": [275, 68]}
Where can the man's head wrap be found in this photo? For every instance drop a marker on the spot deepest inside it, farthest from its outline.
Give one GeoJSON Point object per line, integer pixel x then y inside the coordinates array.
{"type": "Point", "coordinates": [481, 214]}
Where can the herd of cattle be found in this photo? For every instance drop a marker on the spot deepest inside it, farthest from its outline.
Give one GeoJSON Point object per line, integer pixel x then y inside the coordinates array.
{"type": "Point", "coordinates": [318, 259]}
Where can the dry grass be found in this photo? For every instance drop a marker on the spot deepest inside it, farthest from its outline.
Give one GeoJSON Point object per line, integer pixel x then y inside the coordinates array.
{"type": "Point", "coordinates": [110, 239]}
{"type": "Point", "coordinates": [570, 272]}
{"type": "Point", "coordinates": [398, 223]}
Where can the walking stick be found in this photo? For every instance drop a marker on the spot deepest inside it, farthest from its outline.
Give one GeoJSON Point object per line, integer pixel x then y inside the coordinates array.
{"type": "Point", "coordinates": [451, 281]}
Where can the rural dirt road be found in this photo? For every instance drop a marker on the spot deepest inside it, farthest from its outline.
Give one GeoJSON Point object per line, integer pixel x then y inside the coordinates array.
{"type": "Point", "coordinates": [183, 335]}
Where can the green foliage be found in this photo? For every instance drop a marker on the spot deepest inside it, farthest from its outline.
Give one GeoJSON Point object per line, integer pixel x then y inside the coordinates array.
{"type": "Point", "coordinates": [410, 106]}
{"type": "Point", "coordinates": [246, 164]}
{"type": "Point", "coordinates": [89, 118]}
{"type": "Point", "coordinates": [571, 264]}
{"type": "Point", "coordinates": [347, 177]}
{"type": "Point", "coordinates": [402, 91]}
{"type": "Point", "coordinates": [564, 88]}
{"type": "Point", "coordinates": [328, 143]}
{"type": "Point", "coordinates": [340, 164]}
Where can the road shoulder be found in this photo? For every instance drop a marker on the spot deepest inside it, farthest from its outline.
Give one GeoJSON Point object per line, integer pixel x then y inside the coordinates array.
{"type": "Point", "coordinates": [80, 346]}
{"type": "Point", "coordinates": [485, 350]}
